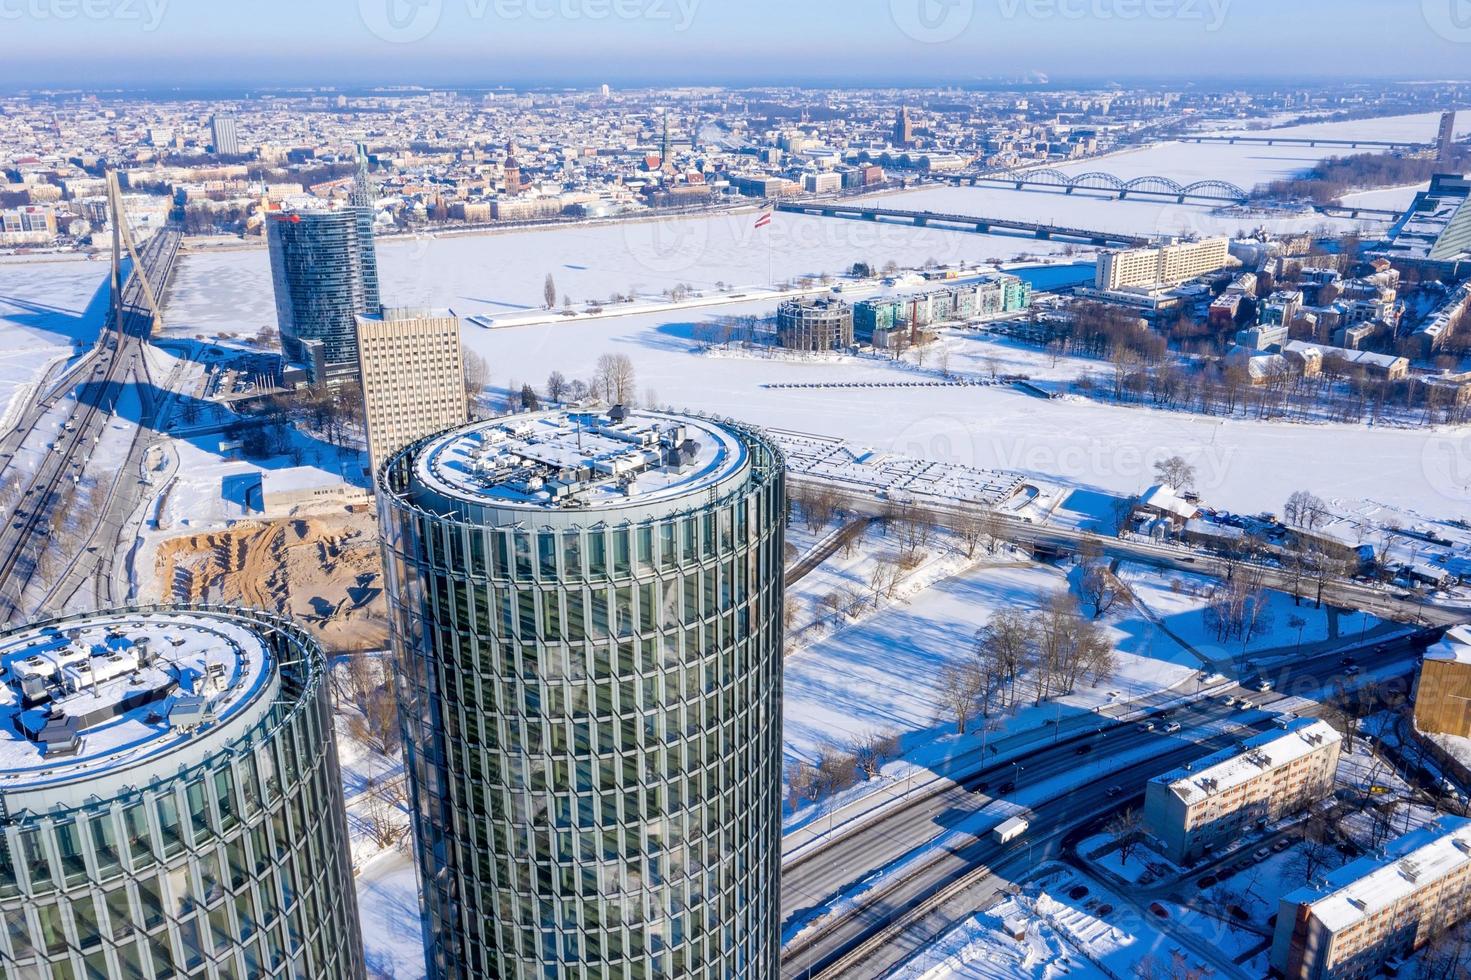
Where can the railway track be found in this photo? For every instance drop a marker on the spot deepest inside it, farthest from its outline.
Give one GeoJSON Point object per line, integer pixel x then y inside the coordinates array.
{"type": "Point", "coordinates": [28, 528]}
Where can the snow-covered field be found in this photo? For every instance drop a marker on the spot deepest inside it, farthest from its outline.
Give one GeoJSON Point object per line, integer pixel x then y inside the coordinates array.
{"type": "Point", "coordinates": [46, 310]}
{"type": "Point", "coordinates": [977, 949]}
{"type": "Point", "coordinates": [1179, 601]}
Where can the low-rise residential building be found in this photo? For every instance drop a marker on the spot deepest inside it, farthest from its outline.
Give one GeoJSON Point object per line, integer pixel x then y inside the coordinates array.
{"type": "Point", "coordinates": [1385, 367]}
{"type": "Point", "coordinates": [1443, 690]}
{"type": "Point", "coordinates": [1212, 802]}
{"type": "Point", "coordinates": [1451, 316]}
{"type": "Point", "coordinates": [1378, 908]}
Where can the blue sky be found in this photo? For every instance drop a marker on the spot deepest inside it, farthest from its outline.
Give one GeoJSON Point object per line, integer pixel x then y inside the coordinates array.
{"type": "Point", "coordinates": [353, 42]}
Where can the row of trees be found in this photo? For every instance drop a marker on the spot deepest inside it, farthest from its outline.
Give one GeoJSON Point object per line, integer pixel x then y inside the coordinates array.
{"type": "Point", "coordinates": [1018, 657]}
{"type": "Point", "coordinates": [1337, 176]}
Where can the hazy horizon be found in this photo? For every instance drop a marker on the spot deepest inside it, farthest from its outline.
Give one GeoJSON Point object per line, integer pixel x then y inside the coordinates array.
{"type": "Point", "coordinates": [532, 43]}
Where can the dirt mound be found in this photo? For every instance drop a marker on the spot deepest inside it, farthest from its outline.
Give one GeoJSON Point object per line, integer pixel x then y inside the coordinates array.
{"type": "Point", "coordinates": [324, 571]}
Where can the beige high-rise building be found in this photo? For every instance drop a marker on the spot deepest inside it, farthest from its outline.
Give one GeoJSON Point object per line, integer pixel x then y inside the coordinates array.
{"type": "Point", "coordinates": [1213, 801]}
{"type": "Point", "coordinates": [1443, 693]}
{"type": "Point", "coordinates": [1165, 265]}
{"type": "Point", "coordinates": [413, 377]}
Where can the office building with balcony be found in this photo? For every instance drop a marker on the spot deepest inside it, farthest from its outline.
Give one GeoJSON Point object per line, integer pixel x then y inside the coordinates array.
{"type": "Point", "coordinates": [324, 271]}
{"type": "Point", "coordinates": [1213, 801]}
{"type": "Point", "coordinates": [172, 804]}
{"type": "Point", "coordinates": [586, 608]}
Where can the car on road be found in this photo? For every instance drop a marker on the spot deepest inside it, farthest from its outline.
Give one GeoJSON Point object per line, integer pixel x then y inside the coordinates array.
{"type": "Point", "coordinates": [1347, 661]}
{"type": "Point", "coordinates": [1353, 670]}
{"type": "Point", "coordinates": [1262, 853]}
{"type": "Point", "coordinates": [1114, 791]}
{"type": "Point", "coordinates": [1245, 705]}
{"type": "Point", "coordinates": [1146, 726]}
{"type": "Point", "coordinates": [1084, 749]}
{"type": "Point", "coordinates": [1158, 910]}
{"type": "Point", "coordinates": [1281, 845]}
{"type": "Point", "coordinates": [1006, 787]}
{"type": "Point", "coordinates": [1172, 728]}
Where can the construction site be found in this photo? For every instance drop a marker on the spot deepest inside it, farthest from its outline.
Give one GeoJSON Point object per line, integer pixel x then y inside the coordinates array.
{"type": "Point", "coordinates": [323, 570]}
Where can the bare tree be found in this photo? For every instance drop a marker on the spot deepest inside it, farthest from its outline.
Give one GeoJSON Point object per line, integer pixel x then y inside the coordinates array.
{"type": "Point", "coordinates": [549, 292]}
{"type": "Point", "coordinates": [556, 386]}
{"type": "Point", "coordinates": [961, 686]}
{"type": "Point", "coordinates": [616, 379]}
{"type": "Point", "coordinates": [1007, 641]}
{"type": "Point", "coordinates": [1175, 472]}
{"type": "Point", "coordinates": [1102, 589]}
{"type": "Point", "coordinates": [1305, 510]}
{"type": "Point", "coordinates": [477, 379]}
{"type": "Point", "coordinates": [1126, 829]}
{"type": "Point", "coordinates": [872, 749]}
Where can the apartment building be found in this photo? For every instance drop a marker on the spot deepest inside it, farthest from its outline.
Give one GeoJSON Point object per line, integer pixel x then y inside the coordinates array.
{"type": "Point", "coordinates": [29, 225]}
{"type": "Point", "coordinates": [412, 376]}
{"type": "Point", "coordinates": [1211, 802]}
{"type": "Point", "coordinates": [1378, 908]}
{"type": "Point", "coordinates": [1164, 265]}
{"type": "Point", "coordinates": [1443, 692]}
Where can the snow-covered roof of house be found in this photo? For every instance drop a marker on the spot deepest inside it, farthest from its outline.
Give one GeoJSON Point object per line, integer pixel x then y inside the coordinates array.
{"type": "Point", "coordinates": [1165, 498]}
{"type": "Point", "coordinates": [1371, 884]}
{"type": "Point", "coordinates": [1456, 646]}
{"type": "Point", "coordinates": [1230, 768]}
{"type": "Point", "coordinates": [1212, 529]}
{"type": "Point", "coordinates": [1363, 358]}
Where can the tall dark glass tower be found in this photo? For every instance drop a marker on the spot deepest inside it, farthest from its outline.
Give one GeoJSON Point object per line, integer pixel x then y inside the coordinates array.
{"type": "Point", "coordinates": [325, 272]}
{"type": "Point", "coordinates": [587, 610]}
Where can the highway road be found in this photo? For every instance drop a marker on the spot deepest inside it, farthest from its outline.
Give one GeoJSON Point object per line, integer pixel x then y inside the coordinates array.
{"type": "Point", "coordinates": [901, 917]}
{"type": "Point", "coordinates": [98, 380]}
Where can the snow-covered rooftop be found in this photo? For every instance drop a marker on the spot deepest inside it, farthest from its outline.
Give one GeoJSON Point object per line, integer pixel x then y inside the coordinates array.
{"type": "Point", "coordinates": [579, 460]}
{"type": "Point", "coordinates": [1456, 646]}
{"type": "Point", "coordinates": [88, 696]}
{"type": "Point", "coordinates": [1229, 768]}
{"type": "Point", "coordinates": [1366, 886]}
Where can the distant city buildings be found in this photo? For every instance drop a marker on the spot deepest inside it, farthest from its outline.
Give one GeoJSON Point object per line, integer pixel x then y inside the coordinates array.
{"type": "Point", "coordinates": [224, 135]}
{"type": "Point", "coordinates": [588, 622]}
{"type": "Point", "coordinates": [27, 225]}
{"type": "Point", "coordinates": [887, 320]}
{"type": "Point", "coordinates": [1164, 265]}
{"type": "Point", "coordinates": [413, 377]}
{"type": "Point", "coordinates": [325, 272]}
{"type": "Point", "coordinates": [821, 324]}
{"type": "Point", "coordinates": [903, 129]}
{"type": "Point", "coordinates": [1212, 802]}
{"type": "Point", "coordinates": [1377, 909]}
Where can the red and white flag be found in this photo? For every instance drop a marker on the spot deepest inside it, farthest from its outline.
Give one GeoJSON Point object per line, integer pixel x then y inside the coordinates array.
{"type": "Point", "coordinates": [765, 217]}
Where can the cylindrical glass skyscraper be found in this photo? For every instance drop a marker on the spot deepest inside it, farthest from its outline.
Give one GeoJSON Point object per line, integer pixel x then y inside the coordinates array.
{"type": "Point", "coordinates": [170, 801]}
{"type": "Point", "coordinates": [587, 609]}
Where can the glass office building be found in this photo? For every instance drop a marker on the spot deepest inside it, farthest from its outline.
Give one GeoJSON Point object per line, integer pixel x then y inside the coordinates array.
{"type": "Point", "coordinates": [171, 803]}
{"type": "Point", "coordinates": [587, 609]}
{"type": "Point", "coordinates": [324, 271]}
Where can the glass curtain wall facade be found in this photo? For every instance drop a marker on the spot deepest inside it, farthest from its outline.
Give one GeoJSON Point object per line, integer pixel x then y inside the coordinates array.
{"type": "Point", "coordinates": [591, 704]}
{"type": "Point", "coordinates": [324, 271]}
{"type": "Point", "coordinates": [224, 859]}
